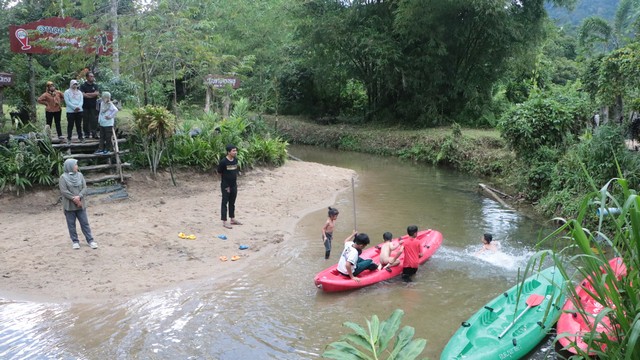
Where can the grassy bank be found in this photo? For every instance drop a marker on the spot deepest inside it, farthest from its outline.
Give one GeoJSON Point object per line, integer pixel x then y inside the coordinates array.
{"type": "Point", "coordinates": [476, 151]}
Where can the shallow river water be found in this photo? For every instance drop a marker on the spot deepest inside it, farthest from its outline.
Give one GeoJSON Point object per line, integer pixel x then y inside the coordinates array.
{"type": "Point", "coordinates": [279, 314]}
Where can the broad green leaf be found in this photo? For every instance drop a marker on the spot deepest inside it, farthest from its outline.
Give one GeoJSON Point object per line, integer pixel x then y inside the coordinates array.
{"type": "Point", "coordinates": [412, 350]}
{"type": "Point", "coordinates": [389, 328]}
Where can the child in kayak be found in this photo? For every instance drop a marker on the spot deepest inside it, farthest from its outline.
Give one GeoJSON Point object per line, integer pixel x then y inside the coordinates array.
{"type": "Point", "coordinates": [386, 260]}
{"type": "Point", "coordinates": [487, 245]}
{"type": "Point", "coordinates": [327, 230]}
{"type": "Point", "coordinates": [412, 254]}
{"type": "Point", "coordinates": [350, 263]}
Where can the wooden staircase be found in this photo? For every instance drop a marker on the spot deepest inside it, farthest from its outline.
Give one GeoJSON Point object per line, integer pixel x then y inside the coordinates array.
{"type": "Point", "coordinates": [96, 168]}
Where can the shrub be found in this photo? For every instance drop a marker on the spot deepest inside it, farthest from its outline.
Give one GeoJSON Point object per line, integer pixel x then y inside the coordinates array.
{"type": "Point", "coordinates": [28, 163]}
{"type": "Point", "coordinates": [154, 125]}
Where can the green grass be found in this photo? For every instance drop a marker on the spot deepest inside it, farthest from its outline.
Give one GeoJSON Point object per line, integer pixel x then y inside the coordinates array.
{"type": "Point", "coordinates": [476, 151]}
{"type": "Point", "coordinates": [124, 115]}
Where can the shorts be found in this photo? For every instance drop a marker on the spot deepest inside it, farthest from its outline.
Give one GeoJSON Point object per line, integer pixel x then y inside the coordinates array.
{"type": "Point", "coordinates": [327, 243]}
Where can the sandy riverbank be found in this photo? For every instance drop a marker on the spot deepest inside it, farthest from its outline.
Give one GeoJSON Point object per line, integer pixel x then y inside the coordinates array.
{"type": "Point", "coordinates": [139, 248]}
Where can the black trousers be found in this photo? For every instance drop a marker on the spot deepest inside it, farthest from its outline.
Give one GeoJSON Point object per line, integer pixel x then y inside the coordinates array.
{"type": "Point", "coordinates": [229, 194]}
{"type": "Point", "coordinates": [90, 121]}
{"type": "Point", "coordinates": [74, 118]}
{"type": "Point", "coordinates": [105, 138]}
{"type": "Point", "coordinates": [51, 116]}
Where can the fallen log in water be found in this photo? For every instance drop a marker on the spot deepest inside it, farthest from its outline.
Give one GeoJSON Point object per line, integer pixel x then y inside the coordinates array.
{"type": "Point", "coordinates": [495, 194]}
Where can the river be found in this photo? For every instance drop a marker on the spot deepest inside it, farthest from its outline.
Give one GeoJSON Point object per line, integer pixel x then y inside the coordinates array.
{"type": "Point", "coordinates": [278, 313]}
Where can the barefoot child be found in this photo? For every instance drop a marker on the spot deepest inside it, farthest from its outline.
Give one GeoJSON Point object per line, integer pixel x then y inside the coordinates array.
{"type": "Point", "coordinates": [386, 260]}
{"type": "Point", "coordinates": [327, 231]}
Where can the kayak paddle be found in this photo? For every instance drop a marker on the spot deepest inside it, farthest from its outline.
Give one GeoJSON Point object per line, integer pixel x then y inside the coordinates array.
{"type": "Point", "coordinates": [533, 301]}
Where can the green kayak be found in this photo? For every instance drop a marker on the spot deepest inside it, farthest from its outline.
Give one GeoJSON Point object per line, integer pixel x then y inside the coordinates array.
{"type": "Point", "coordinates": [512, 324]}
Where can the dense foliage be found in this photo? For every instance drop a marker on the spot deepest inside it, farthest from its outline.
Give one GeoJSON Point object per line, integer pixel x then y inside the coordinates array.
{"type": "Point", "coordinates": [581, 253]}
{"type": "Point", "coordinates": [28, 162]}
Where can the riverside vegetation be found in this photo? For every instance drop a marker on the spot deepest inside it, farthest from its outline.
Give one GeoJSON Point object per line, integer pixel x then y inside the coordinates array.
{"type": "Point", "coordinates": [405, 78]}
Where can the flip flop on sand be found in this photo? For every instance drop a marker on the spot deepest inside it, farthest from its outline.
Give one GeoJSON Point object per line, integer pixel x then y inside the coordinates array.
{"type": "Point", "coordinates": [182, 235]}
{"type": "Point", "coordinates": [227, 226]}
{"type": "Point", "coordinates": [191, 237]}
{"type": "Point", "coordinates": [223, 258]}
{"type": "Point", "coordinates": [235, 257]}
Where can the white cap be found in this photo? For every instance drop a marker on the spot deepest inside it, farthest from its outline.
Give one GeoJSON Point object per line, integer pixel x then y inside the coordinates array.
{"type": "Point", "coordinates": [73, 82]}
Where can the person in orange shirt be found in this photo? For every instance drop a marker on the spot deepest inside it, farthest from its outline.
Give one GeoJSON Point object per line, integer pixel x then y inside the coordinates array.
{"type": "Point", "coordinates": [52, 100]}
{"type": "Point", "coordinates": [412, 254]}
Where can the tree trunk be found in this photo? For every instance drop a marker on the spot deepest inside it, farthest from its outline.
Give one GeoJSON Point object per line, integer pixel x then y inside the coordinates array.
{"type": "Point", "coordinates": [207, 100]}
{"type": "Point", "coordinates": [618, 110]}
{"type": "Point", "coordinates": [116, 50]}
{"type": "Point", "coordinates": [32, 90]}
{"type": "Point", "coordinates": [145, 80]}
{"type": "Point", "coordinates": [175, 90]}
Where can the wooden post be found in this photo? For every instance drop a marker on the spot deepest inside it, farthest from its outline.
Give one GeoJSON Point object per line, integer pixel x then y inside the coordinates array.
{"type": "Point", "coordinates": [226, 105]}
{"type": "Point", "coordinates": [207, 100]}
{"type": "Point", "coordinates": [117, 151]}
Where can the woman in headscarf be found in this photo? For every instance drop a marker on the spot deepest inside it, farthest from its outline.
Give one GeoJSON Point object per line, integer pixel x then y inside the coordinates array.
{"type": "Point", "coordinates": [73, 188]}
{"type": "Point", "coordinates": [73, 100]}
{"type": "Point", "coordinates": [52, 100]}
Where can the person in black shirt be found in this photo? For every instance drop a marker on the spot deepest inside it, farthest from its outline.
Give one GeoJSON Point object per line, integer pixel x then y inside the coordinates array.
{"type": "Point", "coordinates": [228, 170]}
{"type": "Point", "coordinates": [90, 93]}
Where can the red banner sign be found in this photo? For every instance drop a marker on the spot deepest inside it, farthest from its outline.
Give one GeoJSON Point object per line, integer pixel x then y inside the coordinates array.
{"type": "Point", "coordinates": [220, 81]}
{"type": "Point", "coordinates": [53, 34]}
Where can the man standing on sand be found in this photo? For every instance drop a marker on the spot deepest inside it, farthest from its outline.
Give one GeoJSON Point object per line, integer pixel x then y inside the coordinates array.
{"type": "Point", "coordinates": [228, 170]}
{"type": "Point", "coordinates": [90, 93]}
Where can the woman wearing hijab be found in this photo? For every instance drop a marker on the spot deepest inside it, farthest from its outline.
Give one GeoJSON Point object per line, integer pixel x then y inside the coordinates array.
{"type": "Point", "coordinates": [74, 100]}
{"type": "Point", "coordinates": [73, 188]}
{"type": "Point", "coordinates": [52, 100]}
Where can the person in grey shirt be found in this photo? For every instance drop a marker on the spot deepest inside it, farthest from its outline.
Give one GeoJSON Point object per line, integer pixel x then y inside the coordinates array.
{"type": "Point", "coordinates": [73, 189]}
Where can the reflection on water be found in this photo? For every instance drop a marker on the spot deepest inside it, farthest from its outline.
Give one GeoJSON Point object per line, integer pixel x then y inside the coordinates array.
{"type": "Point", "coordinates": [277, 313]}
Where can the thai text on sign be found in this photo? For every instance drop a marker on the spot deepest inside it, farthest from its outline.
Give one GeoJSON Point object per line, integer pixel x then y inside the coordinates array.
{"type": "Point", "coordinates": [53, 34]}
{"type": "Point", "coordinates": [219, 81]}
{"type": "Point", "coordinates": [6, 79]}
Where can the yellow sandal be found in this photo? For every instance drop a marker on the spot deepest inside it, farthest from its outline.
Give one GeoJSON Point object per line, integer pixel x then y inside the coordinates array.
{"type": "Point", "coordinates": [235, 257]}
{"type": "Point", "coordinates": [223, 258]}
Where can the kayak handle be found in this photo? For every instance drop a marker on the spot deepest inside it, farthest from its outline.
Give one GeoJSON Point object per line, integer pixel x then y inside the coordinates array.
{"type": "Point", "coordinates": [465, 324]}
{"type": "Point", "coordinates": [489, 308]}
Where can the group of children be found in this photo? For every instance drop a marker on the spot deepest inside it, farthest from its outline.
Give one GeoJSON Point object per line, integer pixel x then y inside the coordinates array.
{"type": "Point", "coordinates": [351, 264]}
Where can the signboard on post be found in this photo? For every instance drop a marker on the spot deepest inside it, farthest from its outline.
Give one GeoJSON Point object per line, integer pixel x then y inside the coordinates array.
{"type": "Point", "coordinates": [49, 35]}
{"type": "Point", "coordinates": [220, 81]}
{"type": "Point", "coordinates": [6, 79]}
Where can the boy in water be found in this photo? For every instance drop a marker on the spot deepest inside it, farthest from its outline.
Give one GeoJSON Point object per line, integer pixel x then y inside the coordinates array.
{"type": "Point", "coordinates": [327, 230]}
{"type": "Point", "coordinates": [412, 254]}
{"type": "Point", "coordinates": [487, 245]}
{"type": "Point", "coordinates": [386, 261]}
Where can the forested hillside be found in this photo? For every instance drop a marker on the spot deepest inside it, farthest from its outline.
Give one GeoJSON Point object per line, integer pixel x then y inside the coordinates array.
{"type": "Point", "coordinates": [583, 9]}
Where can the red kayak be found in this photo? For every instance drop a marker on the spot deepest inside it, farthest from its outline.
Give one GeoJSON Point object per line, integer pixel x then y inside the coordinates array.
{"type": "Point", "coordinates": [330, 280]}
{"type": "Point", "coordinates": [571, 322]}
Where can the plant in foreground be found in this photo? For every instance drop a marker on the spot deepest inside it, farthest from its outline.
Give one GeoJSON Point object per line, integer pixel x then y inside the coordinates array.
{"type": "Point", "coordinates": [376, 343]}
{"type": "Point", "coordinates": [615, 329]}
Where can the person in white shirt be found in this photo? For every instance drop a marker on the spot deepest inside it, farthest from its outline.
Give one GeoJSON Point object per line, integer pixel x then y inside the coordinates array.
{"type": "Point", "coordinates": [350, 263]}
{"type": "Point", "coordinates": [73, 100]}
